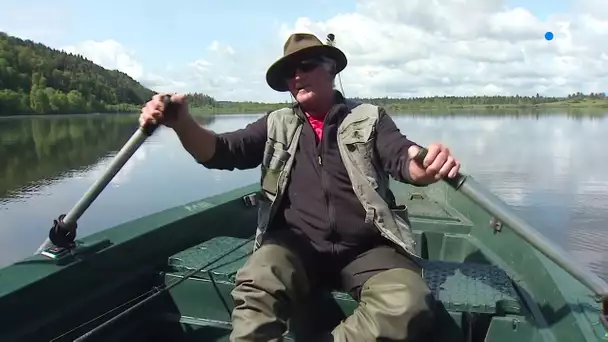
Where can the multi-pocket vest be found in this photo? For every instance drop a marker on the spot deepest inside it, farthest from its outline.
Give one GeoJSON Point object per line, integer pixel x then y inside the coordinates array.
{"type": "Point", "coordinates": [356, 142]}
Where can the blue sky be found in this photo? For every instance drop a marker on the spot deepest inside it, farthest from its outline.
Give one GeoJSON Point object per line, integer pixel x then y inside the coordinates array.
{"type": "Point", "coordinates": [542, 8]}
{"type": "Point", "coordinates": [180, 33]}
{"type": "Point", "coordinates": [176, 33]}
{"type": "Point", "coordinates": [159, 34]}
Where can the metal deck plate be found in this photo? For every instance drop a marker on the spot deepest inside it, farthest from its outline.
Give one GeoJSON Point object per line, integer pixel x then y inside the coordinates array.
{"type": "Point", "coordinates": [469, 287]}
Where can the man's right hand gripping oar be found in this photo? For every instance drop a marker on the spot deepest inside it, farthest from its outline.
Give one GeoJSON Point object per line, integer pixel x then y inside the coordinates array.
{"type": "Point", "coordinates": [153, 113]}
{"type": "Point", "coordinates": [197, 140]}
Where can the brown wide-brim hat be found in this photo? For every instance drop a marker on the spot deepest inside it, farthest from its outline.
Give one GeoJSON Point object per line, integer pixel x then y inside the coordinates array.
{"type": "Point", "coordinates": [298, 47]}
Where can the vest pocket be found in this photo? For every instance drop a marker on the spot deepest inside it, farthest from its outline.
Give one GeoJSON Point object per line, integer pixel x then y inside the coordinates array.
{"type": "Point", "coordinates": [268, 153]}
{"type": "Point", "coordinates": [357, 136]}
{"type": "Point", "coordinates": [270, 183]}
{"type": "Point", "coordinates": [362, 156]}
{"type": "Point", "coordinates": [360, 142]}
{"type": "Point", "coordinates": [272, 170]}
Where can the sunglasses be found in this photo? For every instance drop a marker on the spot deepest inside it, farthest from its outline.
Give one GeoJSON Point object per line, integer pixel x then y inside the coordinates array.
{"type": "Point", "coordinates": [304, 66]}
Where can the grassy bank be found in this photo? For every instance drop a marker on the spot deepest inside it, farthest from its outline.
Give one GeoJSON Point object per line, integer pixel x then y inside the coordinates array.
{"type": "Point", "coordinates": [564, 104]}
{"type": "Point", "coordinates": [571, 106]}
{"type": "Point", "coordinates": [582, 108]}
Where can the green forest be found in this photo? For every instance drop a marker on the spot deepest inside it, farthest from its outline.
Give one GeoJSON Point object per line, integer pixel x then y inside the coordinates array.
{"type": "Point", "coordinates": [36, 79]}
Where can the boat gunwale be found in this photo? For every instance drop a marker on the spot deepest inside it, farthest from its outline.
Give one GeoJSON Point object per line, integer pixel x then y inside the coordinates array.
{"type": "Point", "coordinates": [121, 235]}
{"type": "Point", "coordinates": [553, 257]}
{"type": "Point", "coordinates": [499, 209]}
{"type": "Point", "coordinates": [117, 235]}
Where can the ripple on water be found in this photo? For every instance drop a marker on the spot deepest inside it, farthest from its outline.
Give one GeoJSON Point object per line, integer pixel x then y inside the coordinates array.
{"type": "Point", "coordinates": [535, 165]}
{"type": "Point", "coordinates": [592, 256]}
{"type": "Point", "coordinates": [588, 232]}
{"type": "Point", "coordinates": [33, 189]}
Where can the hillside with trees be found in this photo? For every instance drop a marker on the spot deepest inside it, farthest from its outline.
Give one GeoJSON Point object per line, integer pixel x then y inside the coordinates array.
{"type": "Point", "coordinates": [36, 79]}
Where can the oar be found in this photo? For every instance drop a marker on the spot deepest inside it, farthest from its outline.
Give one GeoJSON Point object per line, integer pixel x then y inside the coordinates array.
{"type": "Point", "coordinates": [503, 213]}
{"type": "Point", "coordinates": [455, 182]}
{"type": "Point", "coordinates": [63, 233]}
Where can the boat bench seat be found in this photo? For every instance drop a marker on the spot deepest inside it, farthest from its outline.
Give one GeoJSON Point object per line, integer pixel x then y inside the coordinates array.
{"type": "Point", "coordinates": [461, 287]}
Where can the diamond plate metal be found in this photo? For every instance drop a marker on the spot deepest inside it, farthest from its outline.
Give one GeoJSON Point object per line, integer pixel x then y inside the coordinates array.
{"type": "Point", "coordinates": [469, 287]}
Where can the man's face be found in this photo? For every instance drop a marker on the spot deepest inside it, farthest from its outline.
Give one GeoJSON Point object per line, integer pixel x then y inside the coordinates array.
{"type": "Point", "coordinates": [308, 80]}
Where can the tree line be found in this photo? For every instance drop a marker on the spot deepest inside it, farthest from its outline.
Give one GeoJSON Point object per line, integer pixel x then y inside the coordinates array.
{"type": "Point", "coordinates": [485, 100]}
{"type": "Point", "coordinates": [575, 100]}
{"type": "Point", "coordinates": [36, 79]}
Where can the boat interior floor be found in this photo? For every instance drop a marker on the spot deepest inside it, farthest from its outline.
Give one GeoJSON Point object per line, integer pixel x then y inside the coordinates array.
{"type": "Point", "coordinates": [480, 298]}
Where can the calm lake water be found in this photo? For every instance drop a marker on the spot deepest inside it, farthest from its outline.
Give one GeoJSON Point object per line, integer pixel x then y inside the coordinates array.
{"type": "Point", "coordinates": [551, 169]}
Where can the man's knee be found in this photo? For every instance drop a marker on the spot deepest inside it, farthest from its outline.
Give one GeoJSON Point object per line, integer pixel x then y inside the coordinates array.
{"type": "Point", "coordinates": [266, 287]}
{"type": "Point", "coordinates": [272, 269]}
{"type": "Point", "coordinates": [397, 304]}
{"type": "Point", "coordinates": [401, 291]}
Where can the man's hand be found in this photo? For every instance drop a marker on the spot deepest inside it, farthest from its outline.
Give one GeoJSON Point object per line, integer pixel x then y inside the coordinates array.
{"type": "Point", "coordinates": [153, 111]}
{"type": "Point", "coordinates": [437, 164]}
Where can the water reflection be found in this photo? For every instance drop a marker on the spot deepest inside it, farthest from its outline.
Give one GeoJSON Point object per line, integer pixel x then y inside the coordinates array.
{"type": "Point", "coordinates": [37, 151]}
{"type": "Point", "coordinates": [550, 169]}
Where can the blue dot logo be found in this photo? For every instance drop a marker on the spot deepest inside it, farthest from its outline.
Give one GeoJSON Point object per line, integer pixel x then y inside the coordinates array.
{"type": "Point", "coordinates": [549, 36]}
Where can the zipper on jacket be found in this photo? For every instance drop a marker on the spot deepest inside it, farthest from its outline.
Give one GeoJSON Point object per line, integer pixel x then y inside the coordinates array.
{"type": "Point", "coordinates": [325, 188]}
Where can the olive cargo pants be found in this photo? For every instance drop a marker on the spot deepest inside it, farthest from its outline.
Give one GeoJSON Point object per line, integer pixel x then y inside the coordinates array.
{"type": "Point", "coordinates": [395, 303]}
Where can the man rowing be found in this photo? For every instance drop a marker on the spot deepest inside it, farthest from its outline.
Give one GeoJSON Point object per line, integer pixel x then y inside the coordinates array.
{"type": "Point", "coordinates": [326, 218]}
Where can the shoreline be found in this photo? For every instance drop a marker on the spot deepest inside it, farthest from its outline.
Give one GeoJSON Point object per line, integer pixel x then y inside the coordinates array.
{"type": "Point", "coordinates": [552, 108]}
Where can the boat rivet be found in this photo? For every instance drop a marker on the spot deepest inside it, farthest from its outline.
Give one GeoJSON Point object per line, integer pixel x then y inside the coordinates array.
{"type": "Point", "coordinates": [496, 225]}
{"type": "Point", "coordinates": [250, 200]}
{"type": "Point", "coordinates": [515, 323]}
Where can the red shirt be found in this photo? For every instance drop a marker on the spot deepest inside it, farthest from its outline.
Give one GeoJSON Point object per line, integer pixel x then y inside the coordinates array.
{"type": "Point", "coordinates": [317, 126]}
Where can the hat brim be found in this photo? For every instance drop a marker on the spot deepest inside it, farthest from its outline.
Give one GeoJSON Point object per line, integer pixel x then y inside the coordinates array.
{"type": "Point", "coordinates": [276, 75]}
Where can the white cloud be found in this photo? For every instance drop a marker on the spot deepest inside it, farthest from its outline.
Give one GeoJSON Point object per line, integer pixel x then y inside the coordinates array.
{"type": "Point", "coordinates": [221, 49]}
{"type": "Point", "coordinates": [38, 22]}
{"type": "Point", "coordinates": [222, 75]}
{"type": "Point", "coordinates": [597, 7]}
{"type": "Point", "coordinates": [412, 48]}
{"type": "Point", "coordinates": [109, 54]}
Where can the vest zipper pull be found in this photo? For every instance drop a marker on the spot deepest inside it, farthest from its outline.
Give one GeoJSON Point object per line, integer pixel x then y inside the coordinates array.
{"type": "Point", "coordinates": [319, 159]}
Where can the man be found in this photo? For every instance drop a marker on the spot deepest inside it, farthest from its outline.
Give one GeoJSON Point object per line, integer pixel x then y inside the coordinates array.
{"type": "Point", "coordinates": [324, 219]}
